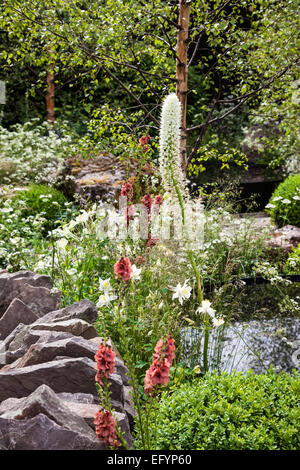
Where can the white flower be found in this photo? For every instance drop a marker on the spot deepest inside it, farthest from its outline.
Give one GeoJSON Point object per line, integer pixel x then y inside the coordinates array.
{"type": "Point", "coordinates": [136, 273]}
{"type": "Point", "coordinates": [82, 218]}
{"type": "Point", "coordinates": [169, 147]}
{"type": "Point", "coordinates": [297, 198]}
{"type": "Point", "coordinates": [182, 292]}
{"type": "Point", "coordinates": [61, 244]}
{"type": "Point", "coordinates": [206, 308]}
{"type": "Point", "coordinates": [277, 198]}
{"type": "Point", "coordinates": [104, 285]}
{"type": "Point", "coordinates": [105, 299]}
{"type": "Point", "coordinates": [218, 322]}
{"type": "Point", "coordinates": [270, 206]}
{"type": "Point", "coordinates": [286, 201]}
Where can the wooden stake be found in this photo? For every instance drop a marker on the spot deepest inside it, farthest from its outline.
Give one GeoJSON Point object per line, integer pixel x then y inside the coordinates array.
{"type": "Point", "coordinates": [182, 72]}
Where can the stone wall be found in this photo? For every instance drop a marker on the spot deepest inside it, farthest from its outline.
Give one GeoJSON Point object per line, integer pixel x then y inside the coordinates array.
{"type": "Point", "coordinates": [48, 396]}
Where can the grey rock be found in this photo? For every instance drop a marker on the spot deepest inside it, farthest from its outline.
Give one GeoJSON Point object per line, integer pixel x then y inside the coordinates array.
{"type": "Point", "coordinates": [101, 177]}
{"type": "Point", "coordinates": [40, 352]}
{"type": "Point", "coordinates": [16, 313]}
{"type": "Point", "coordinates": [76, 327]}
{"type": "Point", "coordinates": [40, 299]}
{"type": "Point", "coordinates": [88, 412]}
{"type": "Point", "coordinates": [66, 375]}
{"type": "Point", "coordinates": [129, 406]}
{"type": "Point", "coordinates": [87, 398]}
{"type": "Point", "coordinates": [44, 401]}
{"type": "Point", "coordinates": [83, 310]}
{"type": "Point", "coordinates": [44, 336]}
{"type": "Point", "coordinates": [11, 284]}
{"type": "Point", "coordinates": [42, 433]}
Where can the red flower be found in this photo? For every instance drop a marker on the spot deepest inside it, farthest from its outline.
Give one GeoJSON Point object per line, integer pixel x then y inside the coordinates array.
{"type": "Point", "coordinates": [144, 140]}
{"type": "Point", "coordinates": [106, 428]}
{"type": "Point", "coordinates": [140, 260]}
{"type": "Point", "coordinates": [105, 362]}
{"type": "Point", "coordinates": [126, 190]}
{"type": "Point", "coordinates": [123, 269]}
{"type": "Point", "coordinates": [147, 202]}
{"type": "Point", "coordinates": [158, 372]}
{"type": "Point", "coordinates": [158, 200]}
{"type": "Point", "coordinates": [166, 348]}
{"type": "Point", "coordinates": [129, 213]}
{"type": "Point", "coordinates": [152, 241]}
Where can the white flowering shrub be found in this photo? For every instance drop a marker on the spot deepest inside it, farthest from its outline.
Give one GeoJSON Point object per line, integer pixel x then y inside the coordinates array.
{"type": "Point", "coordinates": [30, 153]}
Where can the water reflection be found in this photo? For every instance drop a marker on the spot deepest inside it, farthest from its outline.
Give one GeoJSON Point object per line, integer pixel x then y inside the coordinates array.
{"type": "Point", "coordinates": [254, 345]}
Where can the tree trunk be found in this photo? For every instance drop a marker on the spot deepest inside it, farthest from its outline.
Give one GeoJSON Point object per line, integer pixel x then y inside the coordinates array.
{"type": "Point", "coordinates": [50, 97]}
{"type": "Point", "coordinates": [182, 71]}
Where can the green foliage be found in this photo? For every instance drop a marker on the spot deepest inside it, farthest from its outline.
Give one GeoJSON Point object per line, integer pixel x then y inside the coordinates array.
{"type": "Point", "coordinates": [284, 205]}
{"type": "Point", "coordinates": [232, 412]}
{"type": "Point", "coordinates": [40, 200]}
{"type": "Point", "coordinates": [123, 53]}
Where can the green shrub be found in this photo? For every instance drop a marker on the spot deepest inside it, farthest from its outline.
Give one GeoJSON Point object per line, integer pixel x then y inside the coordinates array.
{"type": "Point", "coordinates": [284, 205]}
{"type": "Point", "coordinates": [255, 412]}
{"type": "Point", "coordinates": [38, 199]}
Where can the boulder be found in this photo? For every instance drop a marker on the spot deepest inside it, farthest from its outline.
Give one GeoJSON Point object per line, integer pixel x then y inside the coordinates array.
{"type": "Point", "coordinates": [16, 313]}
{"type": "Point", "coordinates": [76, 327]}
{"type": "Point", "coordinates": [99, 177]}
{"type": "Point", "coordinates": [82, 310]}
{"type": "Point", "coordinates": [66, 375]}
{"type": "Point", "coordinates": [42, 433]}
{"type": "Point", "coordinates": [73, 346]}
{"type": "Point", "coordinates": [12, 284]}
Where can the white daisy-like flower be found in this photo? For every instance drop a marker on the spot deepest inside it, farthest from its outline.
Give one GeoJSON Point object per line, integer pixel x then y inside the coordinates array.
{"type": "Point", "coordinates": [104, 285]}
{"type": "Point", "coordinates": [286, 201]}
{"type": "Point", "coordinates": [270, 206]}
{"type": "Point", "coordinates": [277, 198]}
{"type": "Point", "coordinates": [297, 198]}
{"type": "Point", "coordinates": [182, 292]}
{"type": "Point", "coordinates": [206, 308]}
{"type": "Point", "coordinates": [105, 299]}
{"type": "Point", "coordinates": [136, 273]}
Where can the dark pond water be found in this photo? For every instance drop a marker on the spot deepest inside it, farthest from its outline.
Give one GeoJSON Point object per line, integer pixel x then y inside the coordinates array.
{"type": "Point", "coordinates": [245, 345]}
{"type": "Point", "coordinates": [261, 333]}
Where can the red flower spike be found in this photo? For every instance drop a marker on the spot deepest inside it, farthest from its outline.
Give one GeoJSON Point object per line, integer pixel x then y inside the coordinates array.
{"type": "Point", "coordinates": [144, 140]}
{"type": "Point", "coordinates": [105, 362]}
{"type": "Point", "coordinates": [158, 200]}
{"type": "Point", "coordinates": [123, 269]}
{"type": "Point", "coordinates": [147, 202]}
{"type": "Point", "coordinates": [106, 428]}
{"type": "Point", "coordinates": [127, 190]}
{"type": "Point", "coordinates": [158, 372]}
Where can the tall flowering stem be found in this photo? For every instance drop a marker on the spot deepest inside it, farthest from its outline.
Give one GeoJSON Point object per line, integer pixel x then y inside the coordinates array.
{"type": "Point", "coordinates": [175, 183]}
{"type": "Point", "coordinates": [173, 178]}
{"type": "Point", "coordinates": [158, 372]}
{"type": "Point", "coordinates": [107, 428]}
